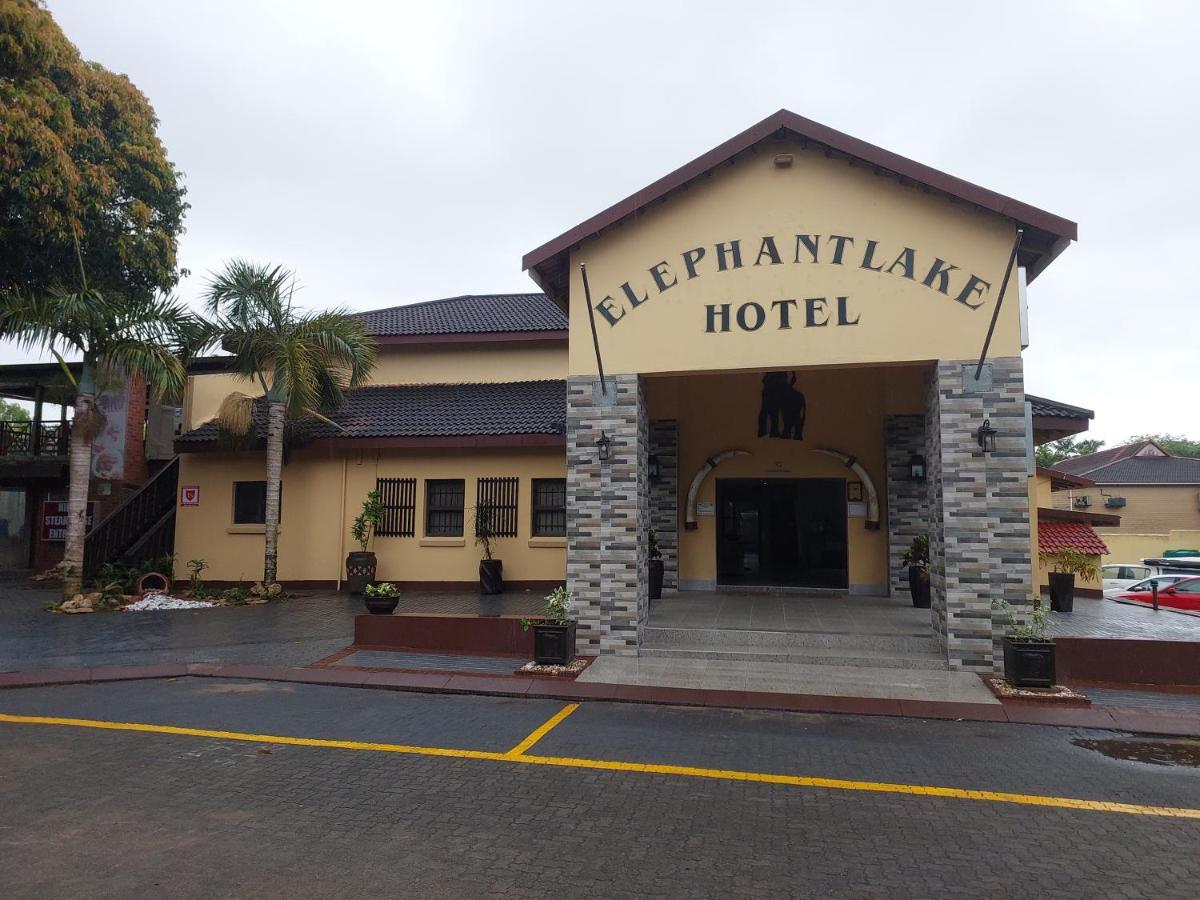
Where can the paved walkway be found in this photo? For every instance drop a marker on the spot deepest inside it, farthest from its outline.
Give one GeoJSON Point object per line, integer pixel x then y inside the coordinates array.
{"type": "Point", "coordinates": [299, 791]}
{"type": "Point", "coordinates": [1106, 619]}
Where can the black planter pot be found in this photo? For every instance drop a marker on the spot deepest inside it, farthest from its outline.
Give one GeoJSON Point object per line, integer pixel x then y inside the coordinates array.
{"type": "Point", "coordinates": [381, 606]}
{"type": "Point", "coordinates": [491, 578]}
{"type": "Point", "coordinates": [656, 579]}
{"type": "Point", "coordinates": [360, 571]}
{"type": "Point", "coordinates": [1029, 663]}
{"type": "Point", "coordinates": [1062, 591]}
{"type": "Point", "coordinates": [553, 645]}
{"type": "Point", "coordinates": [918, 586]}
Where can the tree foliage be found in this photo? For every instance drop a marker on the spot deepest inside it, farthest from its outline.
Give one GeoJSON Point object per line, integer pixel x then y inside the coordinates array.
{"type": "Point", "coordinates": [10, 411]}
{"type": "Point", "coordinates": [80, 161]}
{"type": "Point", "coordinates": [1066, 448]}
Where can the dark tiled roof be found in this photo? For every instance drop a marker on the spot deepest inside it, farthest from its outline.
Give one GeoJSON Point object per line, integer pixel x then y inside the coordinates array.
{"type": "Point", "coordinates": [1082, 465]}
{"type": "Point", "coordinates": [1043, 407]}
{"type": "Point", "coordinates": [470, 314]}
{"type": "Point", "coordinates": [429, 410]}
{"type": "Point", "coordinates": [1154, 470]}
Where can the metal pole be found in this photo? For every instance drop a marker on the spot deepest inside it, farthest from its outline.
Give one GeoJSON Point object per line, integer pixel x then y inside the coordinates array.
{"type": "Point", "coordinates": [1154, 594]}
{"type": "Point", "coordinates": [987, 342]}
{"type": "Point", "coordinates": [587, 297]}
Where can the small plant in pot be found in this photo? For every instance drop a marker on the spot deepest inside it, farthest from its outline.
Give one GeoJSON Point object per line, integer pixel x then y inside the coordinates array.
{"type": "Point", "coordinates": [361, 563]}
{"type": "Point", "coordinates": [1065, 565]}
{"type": "Point", "coordinates": [656, 567]}
{"type": "Point", "coordinates": [554, 634]}
{"type": "Point", "coordinates": [916, 558]}
{"type": "Point", "coordinates": [491, 570]}
{"type": "Point", "coordinates": [381, 599]}
{"type": "Point", "coordinates": [1028, 652]}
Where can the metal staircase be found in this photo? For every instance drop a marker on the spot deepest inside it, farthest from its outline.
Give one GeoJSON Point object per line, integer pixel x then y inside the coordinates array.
{"type": "Point", "coordinates": [143, 527]}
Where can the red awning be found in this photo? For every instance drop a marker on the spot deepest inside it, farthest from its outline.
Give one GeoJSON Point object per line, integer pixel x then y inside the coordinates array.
{"type": "Point", "coordinates": [1078, 536]}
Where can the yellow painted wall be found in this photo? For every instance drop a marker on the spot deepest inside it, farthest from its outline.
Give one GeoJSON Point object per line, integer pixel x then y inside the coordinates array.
{"type": "Point", "coordinates": [204, 394]}
{"type": "Point", "coordinates": [1132, 547]}
{"type": "Point", "coordinates": [899, 319]}
{"type": "Point", "coordinates": [1041, 495]}
{"type": "Point", "coordinates": [1149, 508]}
{"type": "Point", "coordinates": [846, 410]}
{"type": "Point", "coordinates": [315, 532]}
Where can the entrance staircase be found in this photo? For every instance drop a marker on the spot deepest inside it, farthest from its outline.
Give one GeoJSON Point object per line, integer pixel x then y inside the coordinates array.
{"type": "Point", "coordinates": [876, 651]}
{"type": "Point", "coordinates": [141, 528]}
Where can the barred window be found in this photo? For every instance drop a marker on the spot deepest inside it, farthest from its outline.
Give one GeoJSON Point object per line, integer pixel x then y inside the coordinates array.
{"type": "Point", "coordinates": [499, 497]}
{"type": "Point", "coordinates": [444, 507]}
{"type": "Point", "coordinates": [399, 498]}
{"type": "Point", "coordinates": [549, 507]}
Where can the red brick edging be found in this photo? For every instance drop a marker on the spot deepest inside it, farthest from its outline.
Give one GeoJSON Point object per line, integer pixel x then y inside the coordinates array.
{"type": "Point", "coordinates": [1112, 718]}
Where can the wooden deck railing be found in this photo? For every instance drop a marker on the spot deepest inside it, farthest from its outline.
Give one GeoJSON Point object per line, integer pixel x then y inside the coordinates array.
{"type": "Point", "coordinates": [21, 438]}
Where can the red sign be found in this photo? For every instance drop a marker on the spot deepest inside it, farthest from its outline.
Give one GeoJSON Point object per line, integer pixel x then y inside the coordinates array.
{"type": "Point", "coordinates": [54, 519]}
{"type": "Point", "coordinates": [189, 495]}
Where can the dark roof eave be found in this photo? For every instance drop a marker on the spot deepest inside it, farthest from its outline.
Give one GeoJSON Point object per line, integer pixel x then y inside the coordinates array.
{"type": "Point", "coordinates": [472, 337]}
{"type": "Point", "coordinates": [1050, 514]}
{"type": "Point", "coordinates": [399, 443]}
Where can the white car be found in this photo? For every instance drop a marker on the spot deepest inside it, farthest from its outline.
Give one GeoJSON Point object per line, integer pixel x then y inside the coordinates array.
{"type": "Point", "coordinates": [1145, 584]}
{"type": "Point", "coordinates": [1119, 576]}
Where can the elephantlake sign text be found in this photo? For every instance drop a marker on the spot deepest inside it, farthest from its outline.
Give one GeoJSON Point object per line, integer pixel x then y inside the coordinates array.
{"type": "Point", "coordinates": [785, 313]}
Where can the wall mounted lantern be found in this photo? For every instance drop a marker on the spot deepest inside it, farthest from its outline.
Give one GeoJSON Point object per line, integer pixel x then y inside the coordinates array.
{"type": "Point", "coordinates": [916, 467]}
{"type": "Point", "coordinates": [653, 466]}
{"type": "Point", "coordinates": [604, 446]}
{"type": "Point", "coordinates": [985, 435]}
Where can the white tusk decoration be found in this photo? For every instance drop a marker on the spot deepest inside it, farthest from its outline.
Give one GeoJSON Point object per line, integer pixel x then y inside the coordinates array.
{"type": "Point", "coordinates": [872, 523]}
{"type": "Point", "coordinates": [689, 522]}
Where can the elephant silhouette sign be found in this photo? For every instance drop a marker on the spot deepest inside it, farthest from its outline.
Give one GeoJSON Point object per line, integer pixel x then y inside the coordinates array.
{"type": "Point", "coordinates": [783, 408]}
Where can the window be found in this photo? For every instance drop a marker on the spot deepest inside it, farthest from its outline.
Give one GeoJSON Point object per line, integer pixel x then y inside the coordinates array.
{"type": "Point", "coordinates": [250, 502]}
{"type": "Point", "coordinates": [549, 507]}
{"type": "Point", "coordinates": [1110, 571]}
{"type": "Point", "coordinates": [1191, 586]}
{"type": "Point", "coordinates": [444, 507]}
{"type": "Point", "coordinates": [500, 496]}
{"type": "Point", "coordinates": [399, 498]}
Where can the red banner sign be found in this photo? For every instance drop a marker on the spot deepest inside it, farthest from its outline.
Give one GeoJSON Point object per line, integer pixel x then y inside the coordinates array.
{"type": "Point", "coordinates": [54, 519]}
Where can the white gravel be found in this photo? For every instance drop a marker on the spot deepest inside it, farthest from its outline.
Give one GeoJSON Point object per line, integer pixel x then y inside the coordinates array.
{"type": "Point", "coordinates": [153, 602]}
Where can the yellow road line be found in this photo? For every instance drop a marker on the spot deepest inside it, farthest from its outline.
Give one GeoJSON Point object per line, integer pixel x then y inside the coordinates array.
{"type": "Point", "coordinates": [515, 756]}
{"type": "Point", "coordinates": [542, 730]}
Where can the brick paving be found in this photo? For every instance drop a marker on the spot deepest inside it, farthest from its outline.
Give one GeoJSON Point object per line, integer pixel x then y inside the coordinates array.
{"type": "Point", "coordinates": [118, 814]}
{"type": "Point", "coordinates": [1098, 618]}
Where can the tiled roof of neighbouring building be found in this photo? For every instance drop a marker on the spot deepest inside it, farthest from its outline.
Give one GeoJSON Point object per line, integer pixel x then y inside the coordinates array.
{"type": "Point", "coordinates": [1078, 536]}
{"type": "Point", "coordinates": [426, 410]}
{"type": "Point", "coordinates": [1043, 407]}
{"type": "Point", "coordinates": [469, 314]}
{"type": "Point", "coordinates": [1160, 470]}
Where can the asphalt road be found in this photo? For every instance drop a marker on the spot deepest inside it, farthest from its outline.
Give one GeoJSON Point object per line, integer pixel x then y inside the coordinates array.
{"type": "Point", "coordinates": [239, 789]}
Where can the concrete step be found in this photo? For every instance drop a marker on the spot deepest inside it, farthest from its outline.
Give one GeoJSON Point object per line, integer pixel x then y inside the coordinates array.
{"type": "Point", "coordinates": [784, 641]}
{"type": "Point", "coordinates": [860, 657]}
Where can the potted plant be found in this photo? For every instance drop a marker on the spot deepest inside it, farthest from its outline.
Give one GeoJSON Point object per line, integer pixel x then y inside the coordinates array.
{"type": "Point", "coordinates": [1028, 653]}
{"type": "Point", "coordinates": [656, 567]}
{"type": "Point", "coordinates": [491, 571]}
{"type": "Point", "coordinates": [361, 563]}
{"type": "Point", "coordinates": [1065, 565]}
{"type": "Point", "coordinates": [554, 634]}
{"type": "Point", "coordinates": [916, 557]}
{"type": "Point", "coordinates": [381, 599]}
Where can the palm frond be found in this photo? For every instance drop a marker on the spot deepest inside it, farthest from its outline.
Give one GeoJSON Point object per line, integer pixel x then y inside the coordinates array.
{"type": "Point", "coordinates": [154, 363]}
{"type": "Point", "coordinates": [236, 413]}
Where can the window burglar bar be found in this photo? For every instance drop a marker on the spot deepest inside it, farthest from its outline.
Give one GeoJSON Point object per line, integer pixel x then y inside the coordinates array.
{"type": "Point", "coordinates": [549, 507]}
{"type": "Point", "coordinates": [399, 497]}
{"type": "Point", "coordinates": [500, 494]}
{"type": "Point", "coordinates": [444, 507]}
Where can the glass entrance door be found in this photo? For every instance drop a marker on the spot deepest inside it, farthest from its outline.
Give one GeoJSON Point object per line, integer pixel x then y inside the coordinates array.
{"type": "Point", "coordinates": [786, 532]}
{"type": "Point", "coordinates": [14, 530]}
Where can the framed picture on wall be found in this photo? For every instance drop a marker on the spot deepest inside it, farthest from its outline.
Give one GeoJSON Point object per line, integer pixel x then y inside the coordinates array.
{"type": "Point", "coordinates": [854, 491]}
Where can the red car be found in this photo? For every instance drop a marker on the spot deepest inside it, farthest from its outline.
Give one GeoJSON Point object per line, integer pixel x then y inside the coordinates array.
{"type": "Point", "coordinates": [1181, 595]}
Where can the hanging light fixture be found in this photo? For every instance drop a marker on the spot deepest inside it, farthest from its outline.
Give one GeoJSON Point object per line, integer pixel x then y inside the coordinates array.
{"type": "Point", "coordinates": [604, 447]}
{"type": "Point", "coordinates": [653, 466]}
{"type": "Point", "coordinates": [985, 435]}
{"type": "Point", "coordinates": [916, 467]}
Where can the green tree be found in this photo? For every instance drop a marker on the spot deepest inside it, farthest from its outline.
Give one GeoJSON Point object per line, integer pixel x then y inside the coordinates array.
{"type": "Point", "coordinates": [118, 337]}
{"type": "Point", "coordinates": [303, 362]}
{"type": "Point", "coordinates": [1066, 448]}
{"type": "Point", "coordinates": [1175, 444]}
{"type": "Point", "coordinates": [13, 412]}
{"type": "Point", "coordinates": [83, 174]}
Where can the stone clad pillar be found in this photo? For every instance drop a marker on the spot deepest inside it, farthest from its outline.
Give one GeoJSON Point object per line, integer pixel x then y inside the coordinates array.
{"type": "Point", "coordinates": [907, 500]}
{"type": "Point", "coordinates": [608, 513]}
{"type": "Point", "coordinates": [980, 538]}
{"type": "Point", "coordinates": [664, 496]}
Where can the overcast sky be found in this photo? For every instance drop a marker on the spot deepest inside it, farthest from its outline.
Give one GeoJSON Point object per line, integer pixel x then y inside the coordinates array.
{"type": "Point", "coordinates": [394, 153]}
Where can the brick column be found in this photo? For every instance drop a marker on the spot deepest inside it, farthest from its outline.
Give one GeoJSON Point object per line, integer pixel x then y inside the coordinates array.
{"type": "Point", "coordinates": [907, 500]}
{"type": "Point", "coordinates": [979, 506]}
{"type": "Point", "coordinates": [608, 513]}
{"type": "Point", "coordinates": [664, 496]}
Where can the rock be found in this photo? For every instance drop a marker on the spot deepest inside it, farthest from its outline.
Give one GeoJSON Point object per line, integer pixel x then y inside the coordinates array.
{"type": "Point", "coordinates": [257, 601]}
{"type": "Point", "coordinates": [77, 604]}
{"type": "Point", "coordinates": [275, 588]}
{"type": "Point", "coordinates": [93, 598]}
{"type": "Point", "coordinates": [258, 590]}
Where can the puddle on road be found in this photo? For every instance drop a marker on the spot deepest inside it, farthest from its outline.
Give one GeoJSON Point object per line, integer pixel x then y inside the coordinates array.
{"type": "Point", "coordinates": [1157, 753]}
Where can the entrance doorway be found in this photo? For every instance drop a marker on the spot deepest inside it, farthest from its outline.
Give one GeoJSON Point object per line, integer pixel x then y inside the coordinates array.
{"type": "Point", "coordinates": [785, 532]}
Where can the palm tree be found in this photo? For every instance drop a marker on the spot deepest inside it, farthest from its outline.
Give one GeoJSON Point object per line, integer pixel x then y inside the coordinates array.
{"type": "Point", "coordinates": [302, 361]}
{"type": "Point", "coordinates": [119, 337]}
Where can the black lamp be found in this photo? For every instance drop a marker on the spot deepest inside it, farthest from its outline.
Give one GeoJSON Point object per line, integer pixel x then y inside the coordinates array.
{"type": "Point", "coordinates": [916, 467]}
{"type": "Point", "coordinates": [986, 436]}
{"type": "Point", "coordinates": [653, 467]}
{"type": "Point", "coordinates": [604, 446]}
